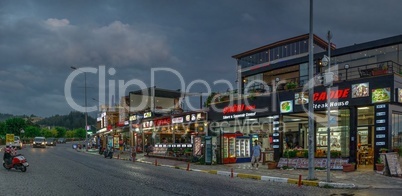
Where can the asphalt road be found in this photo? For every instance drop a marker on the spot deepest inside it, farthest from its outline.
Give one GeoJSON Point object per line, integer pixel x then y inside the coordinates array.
{"type": "Point", "coordinates": [60, 170]}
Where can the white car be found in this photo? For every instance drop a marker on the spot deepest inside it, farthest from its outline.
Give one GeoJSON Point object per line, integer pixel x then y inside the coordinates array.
{"type": "Point", "coordinates": [17, 143]}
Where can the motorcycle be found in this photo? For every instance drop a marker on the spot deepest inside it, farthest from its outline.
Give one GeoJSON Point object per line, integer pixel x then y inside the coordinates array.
{"type": "Point", "coordinates": [18, 162]}
{"type": "Point", "coordinates": [108, 153]}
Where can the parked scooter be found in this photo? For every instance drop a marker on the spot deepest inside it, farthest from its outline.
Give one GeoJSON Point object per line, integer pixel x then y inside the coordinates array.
{"type": "Point", "coordinates": [17, 162]}
{"type": "Point", "coordinates": [108, 152]}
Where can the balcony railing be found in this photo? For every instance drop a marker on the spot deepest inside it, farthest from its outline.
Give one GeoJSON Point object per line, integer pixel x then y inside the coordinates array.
{"type": "Point", "coordinates": [340, 75]}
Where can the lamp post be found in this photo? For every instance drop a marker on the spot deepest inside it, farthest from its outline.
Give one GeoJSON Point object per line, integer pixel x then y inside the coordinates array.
{"type": "Point", "coordinates": [346, 70]}
{"type": "Point", "coordinates": [328, 80]}
{"type": "Point", "coordinates": [86, 113]}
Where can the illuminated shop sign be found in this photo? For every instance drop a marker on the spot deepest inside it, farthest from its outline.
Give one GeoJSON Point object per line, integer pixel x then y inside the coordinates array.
{"type": "Point", "coordinates": [148, 124]}
{"type": "Point", "coordinates": [189, 118]}
{"type": "Point", "coordinates": [162, 122]}
{"type": "Point", "coordinates": [286, 106]}
{"type": "Point", "coordinates": [133, 118]}
{"type": "Point", "coordinates": [242, 115]}
{"type": "Point", "coordinates": [177, 120]}
{"type": "Point", "coordinates": [360, 90]}
{"type": "Point", "coordinates": [399, 93]}
{"type": "Point", "coordinates": [238, 108]}
{"type": "Point", "coordinates": [380, 95]}
{"type": "Point", "coordinates": [147, 114]}
{"type": "Point", "coordinates": [334, 94]}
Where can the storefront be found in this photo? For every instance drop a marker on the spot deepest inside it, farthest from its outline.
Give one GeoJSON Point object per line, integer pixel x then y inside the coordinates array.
{"type": "Point", "coordinates": [236, 125]}
{"type": "Point", "coordinates": [364, 116]}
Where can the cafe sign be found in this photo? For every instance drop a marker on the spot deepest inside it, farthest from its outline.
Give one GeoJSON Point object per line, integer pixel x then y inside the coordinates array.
{"type": "Point", "coordinates": [334, 94]}
{"type": "Point", "coordinates": [238, 108]}
{"type": "Point", "coordinates": [162, 122]}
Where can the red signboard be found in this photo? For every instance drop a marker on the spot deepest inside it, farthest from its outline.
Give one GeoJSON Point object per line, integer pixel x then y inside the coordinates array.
{"type": "Point", "coordinates": [162, 122]}
{"type": "Point", "coordinates": [334, 94]}
{"type": "Point", "coordinates": [238, 108]}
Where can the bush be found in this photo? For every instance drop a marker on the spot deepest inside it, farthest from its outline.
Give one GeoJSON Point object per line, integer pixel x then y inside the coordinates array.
{"type": "Point", "coordinates": [290, 153]}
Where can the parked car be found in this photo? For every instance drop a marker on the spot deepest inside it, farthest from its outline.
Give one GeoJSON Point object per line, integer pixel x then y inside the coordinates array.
{"type": "Point", "coordinates": [39, 142]}
{"type": "Point", "coordinates": [51, 142]}
{"type": "Point", "coordinates": [61, 140]}
{"type": "Point", "coordinates": [17, 143]}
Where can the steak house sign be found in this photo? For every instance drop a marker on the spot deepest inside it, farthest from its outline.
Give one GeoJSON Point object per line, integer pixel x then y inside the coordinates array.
{"type": "Point", "coordinates": [334, 94]}
{"type": "Point", "coordinates": [236, 108]}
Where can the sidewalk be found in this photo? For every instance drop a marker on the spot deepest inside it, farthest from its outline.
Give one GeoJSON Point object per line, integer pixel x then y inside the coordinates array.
{"type": "Point", "coordinates": [339, 179]}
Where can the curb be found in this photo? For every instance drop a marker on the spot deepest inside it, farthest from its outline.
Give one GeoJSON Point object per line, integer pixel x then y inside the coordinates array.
{"type": "Point", "coordinates": [258, 177]}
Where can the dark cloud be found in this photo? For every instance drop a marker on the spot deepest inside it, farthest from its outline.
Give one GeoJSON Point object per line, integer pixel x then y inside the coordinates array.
{"type": "Point", "coordinates": [41, 40]}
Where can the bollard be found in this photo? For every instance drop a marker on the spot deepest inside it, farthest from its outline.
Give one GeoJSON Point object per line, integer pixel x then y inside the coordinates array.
{"type": "Point", "coordinates": [231, 173]}
{"type": "Point", "coordinates": [299, 183]}
{"type": "Point", "coordinates": [188, 166]}
{"type": "Point", "coordinates": [156, 162]}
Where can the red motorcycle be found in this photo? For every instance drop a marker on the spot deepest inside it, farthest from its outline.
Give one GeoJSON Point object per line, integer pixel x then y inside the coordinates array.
{"type": "Point", "coordinates": [17, 162]}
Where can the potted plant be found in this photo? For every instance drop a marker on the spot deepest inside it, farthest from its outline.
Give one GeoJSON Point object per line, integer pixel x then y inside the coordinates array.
{"type": "Point", "coordinates": [335, 153]}
{"type": "Point", "coordinates": [348, 167]}
{"type": "Point", "coordinates": [383, 150]}
{"type": "Point", "coordinates": [272, 164]}
{"type": "Point", "coordinates": [379, 165]}
{"type": "Point", "coordinates": [290, 85]}
{"type": "Point", "coordinates": [383, 69]}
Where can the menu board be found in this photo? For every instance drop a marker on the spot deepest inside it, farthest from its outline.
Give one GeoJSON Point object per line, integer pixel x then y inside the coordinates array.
{"type": "Point", "coordinates": [360, 90]}
{"type": "Point", "coordinates": [381, 95]}
{"type": "Point", "coordinates": [392, 165]}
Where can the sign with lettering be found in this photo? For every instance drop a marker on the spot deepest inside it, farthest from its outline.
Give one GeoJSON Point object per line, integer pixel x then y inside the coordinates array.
{"type": "Point", "coordinates": [392, 163]}
{"type": "Point", "coordinates": [162, 121]}
{"type": "Point", "coordinates": [177, 120]}
{"type": "Point", "coordinates": [238, 108]}
{"type": "Point", "coordinates": [334, 94]}
{"type": "Point", "coordinates": [147, 114]}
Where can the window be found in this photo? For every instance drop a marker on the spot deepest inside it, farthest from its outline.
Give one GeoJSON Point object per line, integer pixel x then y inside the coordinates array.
{"type": "Point", "coordinates": [396, 130]}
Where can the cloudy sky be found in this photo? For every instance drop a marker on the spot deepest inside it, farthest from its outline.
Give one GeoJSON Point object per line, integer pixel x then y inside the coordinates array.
{"type": "Point", "coordinates": [41, 40]}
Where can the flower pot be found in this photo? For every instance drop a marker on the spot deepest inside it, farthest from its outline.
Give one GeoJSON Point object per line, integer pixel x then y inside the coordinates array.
{"type": "Point", "coordinates": [272, 165]}
{"type": "Point", "coordinates": [348, 167]}
{"type": "Point", "coordinates": [379, 166]}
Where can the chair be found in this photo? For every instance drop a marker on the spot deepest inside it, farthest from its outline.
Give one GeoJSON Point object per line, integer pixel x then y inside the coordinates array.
{"type": "Point", "coordinates": [364, 72]}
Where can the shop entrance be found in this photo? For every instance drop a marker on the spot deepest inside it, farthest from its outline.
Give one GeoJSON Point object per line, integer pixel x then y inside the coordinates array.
{"type": "Point", "coordinates": [365, 147]}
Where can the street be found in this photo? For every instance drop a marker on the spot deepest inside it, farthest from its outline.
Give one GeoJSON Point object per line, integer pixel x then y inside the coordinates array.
{"type": "Point", "coordinates": [61, 170]}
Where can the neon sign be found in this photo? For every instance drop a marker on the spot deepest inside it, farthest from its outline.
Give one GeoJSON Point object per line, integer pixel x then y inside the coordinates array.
{"type": "Point", "coordinates": [238, 108]}
{"type": "Point", "coordinates": [334, 94]}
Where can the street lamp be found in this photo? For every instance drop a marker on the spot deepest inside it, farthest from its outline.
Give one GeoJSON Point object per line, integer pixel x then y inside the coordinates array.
{"type": "Point", "coordinates": [328, 81]}
{"type": "Point", "coordinates": [346, 70]}
{"type": "Point", "coordinates": [86, 113]}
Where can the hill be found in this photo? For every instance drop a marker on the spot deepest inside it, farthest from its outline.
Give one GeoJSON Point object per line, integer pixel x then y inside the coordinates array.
{"type": "Point", "coordinates": [74, 120]}
{"type": "Point", "coordinates": [71, 121]}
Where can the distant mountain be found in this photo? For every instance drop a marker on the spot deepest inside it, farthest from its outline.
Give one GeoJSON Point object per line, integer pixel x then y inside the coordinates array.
{"type": "Point", "coordinates": [71, 121]}
{"type": "Point", "coordinates": [4, 117]}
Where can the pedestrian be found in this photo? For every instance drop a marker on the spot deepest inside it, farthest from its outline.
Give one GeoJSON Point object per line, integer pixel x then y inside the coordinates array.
{"type": "Point", "coordinates": [255, 154]}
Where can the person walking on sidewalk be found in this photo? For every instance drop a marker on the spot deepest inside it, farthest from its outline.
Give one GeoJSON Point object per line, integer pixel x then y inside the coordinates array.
{"type": "Point", "coordinates": [255, 154]}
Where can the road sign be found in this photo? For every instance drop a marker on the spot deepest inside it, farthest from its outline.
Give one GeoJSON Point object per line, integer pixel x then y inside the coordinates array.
{"type": "Point", "coordinates": [9, 138]}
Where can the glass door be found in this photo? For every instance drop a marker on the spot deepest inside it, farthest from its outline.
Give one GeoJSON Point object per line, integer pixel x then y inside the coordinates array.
{"type": "Point", "coordinates": [365, 147]}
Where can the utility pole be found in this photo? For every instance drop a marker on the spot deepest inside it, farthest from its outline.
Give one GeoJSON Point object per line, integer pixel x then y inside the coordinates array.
{"type": "Point", "coordinates": [311, 100]}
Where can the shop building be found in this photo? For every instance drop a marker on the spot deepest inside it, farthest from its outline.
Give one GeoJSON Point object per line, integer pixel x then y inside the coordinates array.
{"type": "Point", "coordinates": [161, 124]}
{"type": "Point", "coordinates": [365, 107]}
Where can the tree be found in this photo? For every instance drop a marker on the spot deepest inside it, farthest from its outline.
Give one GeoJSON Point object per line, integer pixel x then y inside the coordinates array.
{"type": "Point", "coordinates": [61, 131]}
{"type": "Point", "coordinates": [80, 133]}
{"type": "Point", "coordinates": [70, 134]}
{"type": "Point", "coordinates": [32, 131]}
{"type": "Point", "coordinates": [14, 125]}
{"type": "Point", "coordinates": [49, 133]}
